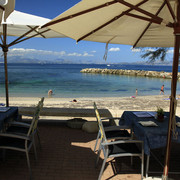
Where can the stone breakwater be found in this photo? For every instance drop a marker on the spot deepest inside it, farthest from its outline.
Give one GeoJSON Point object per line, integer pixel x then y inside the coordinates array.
{"type": "Point", "coordinates": [155, 74]}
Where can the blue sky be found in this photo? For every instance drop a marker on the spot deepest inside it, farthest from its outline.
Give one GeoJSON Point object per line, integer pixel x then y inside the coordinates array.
{"type": "Point", "coordinates": [66, 48]}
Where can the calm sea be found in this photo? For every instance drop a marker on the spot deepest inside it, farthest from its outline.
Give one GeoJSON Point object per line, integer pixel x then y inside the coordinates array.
{"type": "Point", "coordinates": [34, 80]}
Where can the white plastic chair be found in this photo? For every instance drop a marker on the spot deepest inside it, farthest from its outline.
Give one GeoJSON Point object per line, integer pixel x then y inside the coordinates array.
{"type": "Point", "coordinates": [21, 128]}
{"type": "Point", "coordinates": [22, 141]}
{"type": "Point", "coordinates": [119, 148]}
{"type": "Point", "coordinates": [113, 131]}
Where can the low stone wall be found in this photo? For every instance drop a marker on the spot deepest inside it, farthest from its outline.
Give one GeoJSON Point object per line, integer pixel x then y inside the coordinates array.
{"type": "Point", "coordinates": [156, 74]}
{"type": "Point", "coordinates": [65, 112]}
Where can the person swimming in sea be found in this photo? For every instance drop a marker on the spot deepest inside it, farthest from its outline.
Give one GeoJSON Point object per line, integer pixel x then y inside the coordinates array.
{"type": "Point", "coordinates": [50, 92]}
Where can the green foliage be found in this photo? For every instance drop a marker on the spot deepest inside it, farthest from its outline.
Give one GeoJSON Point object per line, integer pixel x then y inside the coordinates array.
{"type": "Point", "coordinates": [156, 54]}
{"type": "Point", "coordinates": [160, 111]}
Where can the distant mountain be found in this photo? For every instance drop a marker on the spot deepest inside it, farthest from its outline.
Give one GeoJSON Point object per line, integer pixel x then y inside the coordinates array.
{"type": "Point", "coordinates": [19, 59]}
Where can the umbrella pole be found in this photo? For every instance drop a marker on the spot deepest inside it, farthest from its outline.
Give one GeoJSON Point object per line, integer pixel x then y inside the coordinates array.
{"type": "Point", "coordinates": [172, 106]}
{"type": "Point", "coordinates": [5, 50]}
{"type": "Point", "coordinates": [6, 78]}
{"type": "Point", "coordinates": [173, 91]}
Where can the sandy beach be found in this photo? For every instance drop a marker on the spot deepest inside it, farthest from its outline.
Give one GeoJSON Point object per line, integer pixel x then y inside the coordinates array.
{"type": "Point", "coordinates": [116, 105]}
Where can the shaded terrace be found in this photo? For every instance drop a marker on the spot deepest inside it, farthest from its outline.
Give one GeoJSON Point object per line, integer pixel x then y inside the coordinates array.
{"type": "Point", "coordinates": [67, 154]}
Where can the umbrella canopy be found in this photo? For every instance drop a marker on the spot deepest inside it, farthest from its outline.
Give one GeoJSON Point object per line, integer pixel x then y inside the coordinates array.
{"type": "Point", "coordinates": [6, 8]}
{"type": "Point", "coordinates": [140, 23]}
{"type": "Point", "coordinates": [19, 23]}
{"type": "Point", "coordinates": [117, 22]}
{"type": "Point", "coordinates": [24, 26]}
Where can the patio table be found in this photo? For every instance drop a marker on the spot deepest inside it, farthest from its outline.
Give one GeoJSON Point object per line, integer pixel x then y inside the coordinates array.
{"type": "Point", "coordinates": [153, 136]}
{"type": "Point", "coordinates": [7, 114]}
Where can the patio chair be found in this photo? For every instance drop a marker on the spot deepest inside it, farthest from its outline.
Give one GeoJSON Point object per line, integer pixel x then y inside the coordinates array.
{"type": "Point", "coordinates": [21, 128]}
{"type": "Point", "coordinates": [112, 131]}
{"type": "Point", "coordinates": [22, 142]}
{"type": "Point", "coordinates": [119, 148]}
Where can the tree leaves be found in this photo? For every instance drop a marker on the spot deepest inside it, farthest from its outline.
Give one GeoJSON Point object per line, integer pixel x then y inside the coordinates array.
{"type": "Point", "coordinates": [154, 54]}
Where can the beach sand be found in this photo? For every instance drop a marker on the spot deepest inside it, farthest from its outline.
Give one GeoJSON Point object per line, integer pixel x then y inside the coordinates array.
{"type": "Point", "coordinates": [116, 105]}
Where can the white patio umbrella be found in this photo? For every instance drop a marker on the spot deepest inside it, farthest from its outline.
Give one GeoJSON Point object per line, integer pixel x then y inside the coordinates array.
{"type": "Point", "coordinates": [6, 8]}
{"type": "Point", "coordinates": [24, 26]}
{"type": "Point", "coordinates": [140, 23]}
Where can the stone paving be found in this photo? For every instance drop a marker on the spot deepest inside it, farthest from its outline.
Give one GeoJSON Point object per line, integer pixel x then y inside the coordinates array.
{"type": "Point", "coordinates": [67, 154]}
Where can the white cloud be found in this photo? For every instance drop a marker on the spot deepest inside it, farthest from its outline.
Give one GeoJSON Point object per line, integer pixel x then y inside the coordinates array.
{"type": "Point", "coordinates": [79, 54]}
{"type": "Point", "coordinates": [93, 51]}
{"type": "Point", "coordinates": [171, 51]}
{"type": "Point", "coordinates": [22, 52]}
{"type": "Point", "coordinates": [150, 49]}
{"type": "Point", "coordinates": [135, 50]}
{"type": "Point", "coordinates": [114, 49]}
{"type": "Point", "coordinates": [139, 50]}
{"type": "Point", "coordinates": [86, 54]}
{"type": "Point", "coordinates": [74, 54]}
{"type": "Point", "coordinates": [34, 53]}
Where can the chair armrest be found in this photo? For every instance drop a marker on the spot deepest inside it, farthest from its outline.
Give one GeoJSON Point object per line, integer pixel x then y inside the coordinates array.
{"type": "Point", "coordinates": [113, 128]}
{"type": "Point", "coordinates": [121, 141]}
{"type": "Point", "coordinates": [14, 136]}
{"type": "Point", "coordinates": [15, 123]}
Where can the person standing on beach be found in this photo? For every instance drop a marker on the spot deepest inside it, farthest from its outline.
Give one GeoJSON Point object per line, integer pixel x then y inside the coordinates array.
{"type": "Point", "coordinates": [136, 92]}
{"type": "Point", "coordinates": [162, 89]}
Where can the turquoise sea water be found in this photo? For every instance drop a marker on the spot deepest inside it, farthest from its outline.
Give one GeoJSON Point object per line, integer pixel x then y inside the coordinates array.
{"type": "Point", "coordinates": [34, 80]}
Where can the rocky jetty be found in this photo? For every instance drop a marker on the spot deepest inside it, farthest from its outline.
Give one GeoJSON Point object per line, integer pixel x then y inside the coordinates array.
{"type": "Point", "coordinates": [154, 74]}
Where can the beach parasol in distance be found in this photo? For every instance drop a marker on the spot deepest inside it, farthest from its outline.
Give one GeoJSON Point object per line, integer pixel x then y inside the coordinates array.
{"type": "Point", "coordinates": [140, 23]}
{"type": "Point", "coordinates": [24, 26]}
